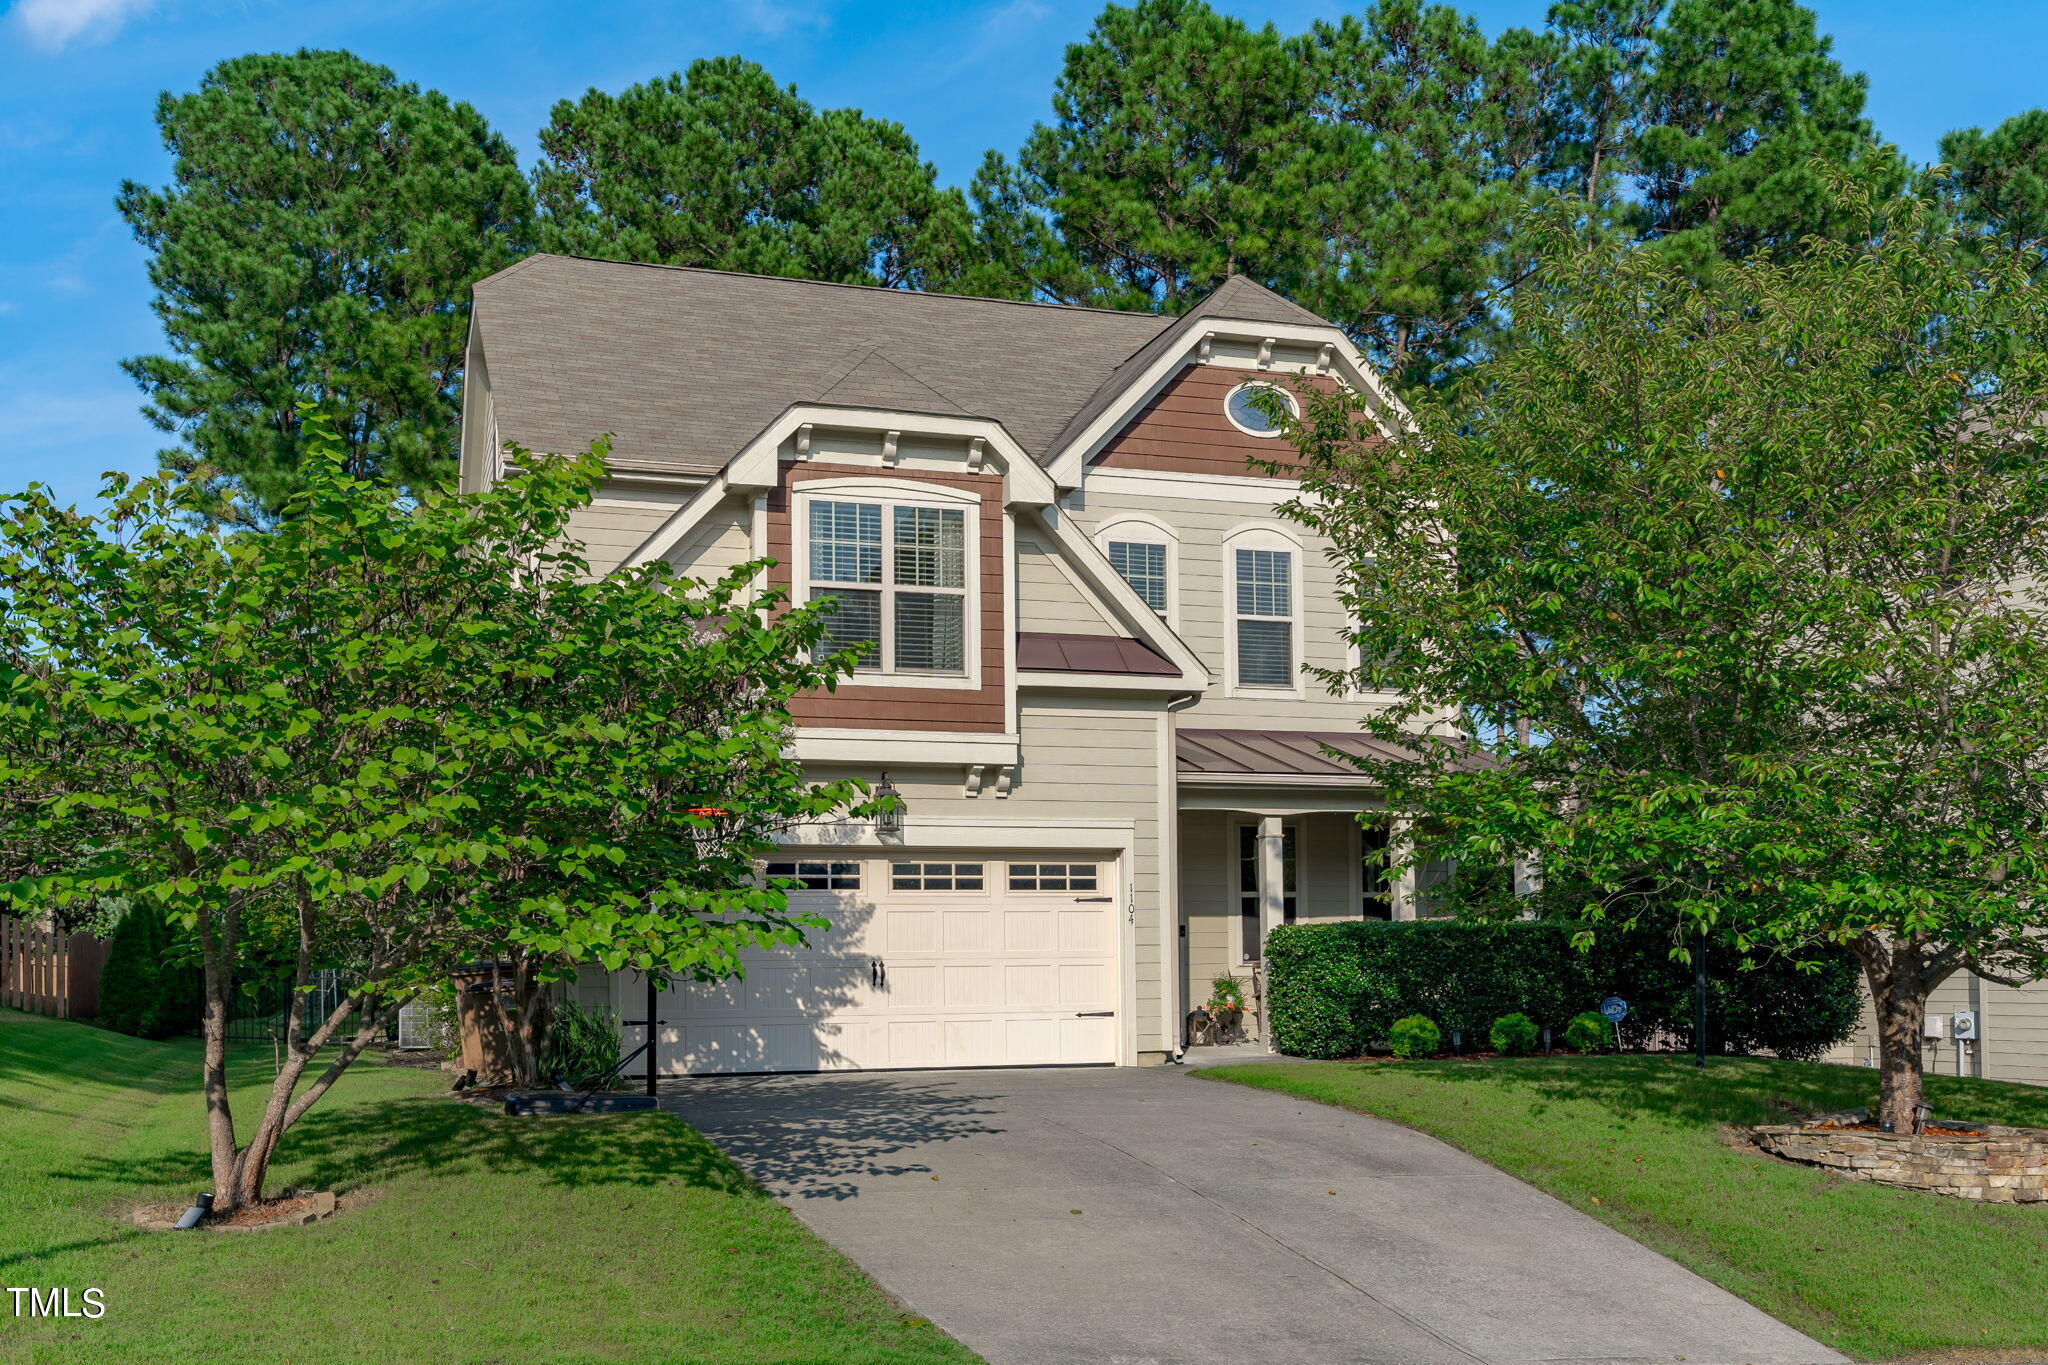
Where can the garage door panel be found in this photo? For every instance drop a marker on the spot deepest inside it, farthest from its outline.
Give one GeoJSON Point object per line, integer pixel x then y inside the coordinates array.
{"type": "Point", "coordinates": [1084, 929]}
{"type": "Point", "coordinates": [909, 931]}
{"type": "Point", "coordinates": [970, 985]}
{"type": "Point", "coordinates": [1029, 985]}
{"type": "Point", "coordinates": [1085, 985]}
{"type": "Point", "coordinates": [1029, 930]}
{"type": "Point", "coordinates": [972, 977]}
{"type": "Point", "coordinates": [970, 931]}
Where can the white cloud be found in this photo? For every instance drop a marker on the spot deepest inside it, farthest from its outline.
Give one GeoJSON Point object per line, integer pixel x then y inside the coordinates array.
{"type": "Point", "coordinates": [56, 24]}
{"type": "Point", "coordinates": [773, 18]}
{"type": "Point", "coordinates": [8, 306]}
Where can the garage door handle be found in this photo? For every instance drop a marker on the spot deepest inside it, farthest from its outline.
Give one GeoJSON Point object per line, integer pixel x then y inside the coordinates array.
{"type": "Point", "coordinates": [1090, 900]}
{"type": "Point", "coordinates": [1096, 1014]}
{"type": "Point", "coordinates": [878, 974]}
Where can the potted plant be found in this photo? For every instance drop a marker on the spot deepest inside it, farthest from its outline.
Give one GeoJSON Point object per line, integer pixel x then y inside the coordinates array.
{"type": "Point", "coordinates": [1226, 1009]}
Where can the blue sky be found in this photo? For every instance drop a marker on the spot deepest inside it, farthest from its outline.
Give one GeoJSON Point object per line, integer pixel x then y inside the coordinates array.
{"type": "Point", "coordinates": [79, 79]}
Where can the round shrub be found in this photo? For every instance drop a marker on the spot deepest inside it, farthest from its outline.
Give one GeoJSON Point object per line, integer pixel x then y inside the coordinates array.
{"type": "Point", "coordinates": [1589, 1032]}
{"type": "Point", "coordinates": [1514, 1035]}
{"type": "Point", "coordinates": [1416, 1037]}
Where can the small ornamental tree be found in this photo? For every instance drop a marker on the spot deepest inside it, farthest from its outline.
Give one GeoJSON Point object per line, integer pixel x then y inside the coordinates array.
{"type": "Point", "coordinates": [1735, 586]}
{"type": "Point", "coordinates": [393, 737]}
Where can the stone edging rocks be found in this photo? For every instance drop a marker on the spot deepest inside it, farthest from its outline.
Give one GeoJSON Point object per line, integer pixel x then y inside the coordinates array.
{"type": "Point", "coordinates": [1989, 1163]}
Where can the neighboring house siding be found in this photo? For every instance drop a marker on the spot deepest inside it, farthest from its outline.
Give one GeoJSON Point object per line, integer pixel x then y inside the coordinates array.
{"type": "Point", "coordinates": [1184, 430]}
{"type": "Point", "coordinates": [1049, 599]}
{"type": "Point", "coordinates": [880, 706]}
{"type": "Point", "coordinates": [618, 519]}
{"type": "Point", "coordinates": [2012, 1023]}
{"type": "Point", "coordinates": [1089, 758]}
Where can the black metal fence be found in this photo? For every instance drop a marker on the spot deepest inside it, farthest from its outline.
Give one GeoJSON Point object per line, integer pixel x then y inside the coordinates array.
{"type": "Point", "coordinates": [264, 1014]}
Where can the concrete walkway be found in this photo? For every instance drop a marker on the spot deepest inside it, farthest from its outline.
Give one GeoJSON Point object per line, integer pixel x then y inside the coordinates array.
{"type": "Point", "coordinates": [1147, 1217]}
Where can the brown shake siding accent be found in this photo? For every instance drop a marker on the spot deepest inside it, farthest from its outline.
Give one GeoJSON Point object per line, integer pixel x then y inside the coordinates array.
{"type": "Point", "coordinates": [1184, 429]}
{"type": "Point", "coordinates": [857, 706]}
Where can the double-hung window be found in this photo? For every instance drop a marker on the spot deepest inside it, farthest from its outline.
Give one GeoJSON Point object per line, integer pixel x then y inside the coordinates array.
{"type": "Point", "coordinates": [898, 575]}
{"type": "Point", "coordinates": [1264, 598]}
{"type": "Point", "coordinates": [1142, 564]}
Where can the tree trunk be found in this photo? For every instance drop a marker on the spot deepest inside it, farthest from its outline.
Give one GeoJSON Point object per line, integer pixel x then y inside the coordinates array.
{"type": "Point", "coordinates": [1898, 1002]}
{"type": "Point", "coordinates": [217, 954]}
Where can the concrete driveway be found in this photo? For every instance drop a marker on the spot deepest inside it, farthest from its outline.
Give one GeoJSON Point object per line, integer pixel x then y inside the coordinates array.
{"type": "Point", "coordinates": [1141, 1216]}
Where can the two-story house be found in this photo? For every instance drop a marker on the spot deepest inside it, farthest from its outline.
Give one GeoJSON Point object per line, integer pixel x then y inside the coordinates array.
{"type": "Point", "coordinates": [1087, 624]}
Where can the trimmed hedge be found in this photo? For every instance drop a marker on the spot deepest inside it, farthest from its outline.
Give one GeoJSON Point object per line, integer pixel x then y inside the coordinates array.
{"type": "Point", "coordinates": [146, 989]}
{"type": "Point", "coordinates": [1335, 990]}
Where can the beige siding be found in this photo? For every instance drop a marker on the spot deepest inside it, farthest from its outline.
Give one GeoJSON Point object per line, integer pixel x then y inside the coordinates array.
{"type": "Point", "coordinates": [618, 519]}
{"type": "Point", "coordinates": [1208, 897]}
{"type": "Point", "coordinates": [1048, 597]}
{"type": "Point", "coordinates": [2012, 1024]}
{"type": "Point", "coordinates": [724, 539]}
{"type": "Point", "coordinates": [1202, 526]}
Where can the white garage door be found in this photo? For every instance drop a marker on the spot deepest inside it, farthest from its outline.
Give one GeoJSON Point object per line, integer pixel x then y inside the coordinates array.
{"type": "Point", "coordinates": [933, 960]}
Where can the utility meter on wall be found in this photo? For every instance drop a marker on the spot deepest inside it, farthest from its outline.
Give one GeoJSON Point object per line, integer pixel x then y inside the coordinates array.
{"type": "Point", "coordinates": [1931, 1025]}
{"type": "Point", "coordinates": [1963, 1024]}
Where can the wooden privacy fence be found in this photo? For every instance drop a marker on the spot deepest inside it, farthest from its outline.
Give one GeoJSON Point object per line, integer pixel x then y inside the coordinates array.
{"type": "Point", "coordinates": [46, 971]}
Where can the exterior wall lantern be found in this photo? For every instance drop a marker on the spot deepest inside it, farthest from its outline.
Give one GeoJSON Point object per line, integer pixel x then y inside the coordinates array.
{"type": "Point", "coordinates": [889, 819]}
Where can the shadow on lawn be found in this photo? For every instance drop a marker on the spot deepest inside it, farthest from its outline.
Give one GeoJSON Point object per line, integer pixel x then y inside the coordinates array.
{"type": "Point", "coordinates": [1743, 1091]}
{"type": "Point", "coordinates": [1733, 1090]}
{"type": "Point", "coordinates": [816, 1137]}
{"type": "Point", "coordinates": [351, 1146]}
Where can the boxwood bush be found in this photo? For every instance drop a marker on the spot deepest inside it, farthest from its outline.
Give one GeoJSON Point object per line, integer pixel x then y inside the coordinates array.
{"type": "Point", "coordinates": [1514, 1035]}
{"type": "Point", "coordinates": [1589, 1032]}
{"type": "Point", "coordinates": [1336, 989]}
{"type": "Point", "coordinates": [1416, 1037]}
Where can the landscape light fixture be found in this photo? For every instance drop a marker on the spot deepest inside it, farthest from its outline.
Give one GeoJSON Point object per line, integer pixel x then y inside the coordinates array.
{"type": "Point", "coordinates": [888, 819]}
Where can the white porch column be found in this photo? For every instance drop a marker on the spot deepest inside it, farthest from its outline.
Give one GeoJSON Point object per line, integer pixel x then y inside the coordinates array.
{"type": "Point", "coordinates": [1272, 879]}
{"type": "Point", "coordinates": [1399, 846]}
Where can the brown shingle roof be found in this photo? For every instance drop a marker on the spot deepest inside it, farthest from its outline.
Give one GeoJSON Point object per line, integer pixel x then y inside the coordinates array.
{"type": "Point", "coordinates": [685, 366]}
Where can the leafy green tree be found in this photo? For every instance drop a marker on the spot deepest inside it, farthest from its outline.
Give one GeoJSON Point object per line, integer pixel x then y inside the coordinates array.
{"type": "Point", "coordinates": [395, 734]}
{"type": "Point", "coordinates": [316, 245]}
{"type": "Point", "coordinates": [721, 167]}
{"type": "Point", "coordinates": [1163, 170]}
{"type": "Point", "coordinates": [1712, 599]}
{"type": "Point", "coordinates": [1999, 179]}
{"type": "Point", "coordinates": [1744, 111]}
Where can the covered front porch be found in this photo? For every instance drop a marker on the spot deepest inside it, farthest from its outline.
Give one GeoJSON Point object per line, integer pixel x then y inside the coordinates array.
{"type": "Point", "coordinates": [1274, 830]}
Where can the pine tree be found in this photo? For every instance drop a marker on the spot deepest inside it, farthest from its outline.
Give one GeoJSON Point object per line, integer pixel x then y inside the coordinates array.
{"type": "Point", "coordinates": [1607, 48]}
{"type": "Point", "coordinates": [316, 245]}
{"type": "Point", "coordinates": [1743, 97]}
{"type": "Point", "coordinates": [719, 166]}
{"type": "Point", "coordinates": [1425, 141]}
{"type": "Point", "coordinates": [1999, 179]}
{"type": "Point", "coordinates": [1164, 169]}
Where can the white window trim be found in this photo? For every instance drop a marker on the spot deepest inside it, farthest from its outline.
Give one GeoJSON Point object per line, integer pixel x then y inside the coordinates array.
{"type": "Point", "coordinates": [1293, 405]}
{"type": "Point", "coordinates": [1137, 529]}
{"type": "Point", "coordinates": [888, 493]}
{"type": "Point", "coordinates": [889, 887]}
{"type": "Point", "coordinates": [1262, 536]}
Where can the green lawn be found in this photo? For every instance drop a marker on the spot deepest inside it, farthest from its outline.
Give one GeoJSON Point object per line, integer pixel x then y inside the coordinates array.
{"type": "Point", "coordinates": [1642, 1144]}
{"type": "Point", "coordinates": [625, 1238]}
